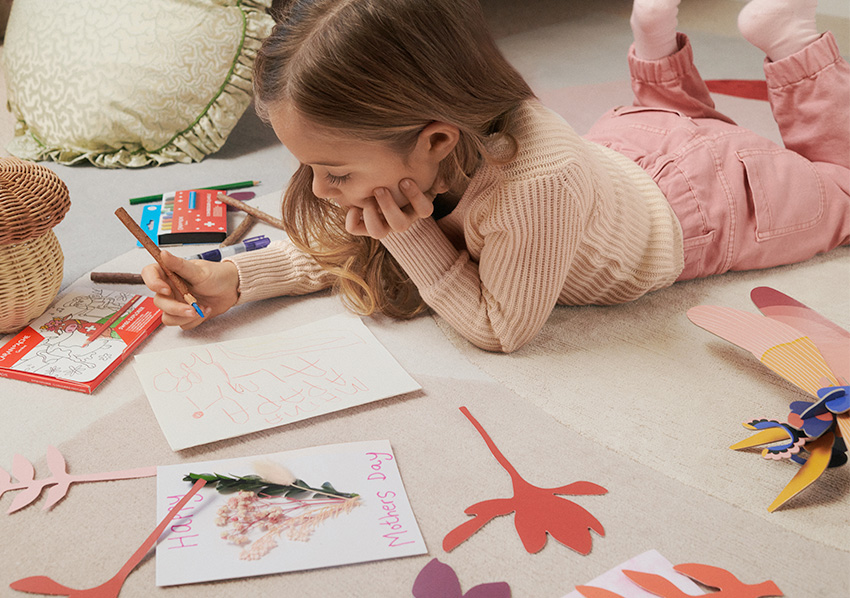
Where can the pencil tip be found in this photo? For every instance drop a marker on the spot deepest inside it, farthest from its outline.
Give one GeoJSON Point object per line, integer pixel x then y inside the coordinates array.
{"type": "Point", "coordinates": [198, 309]}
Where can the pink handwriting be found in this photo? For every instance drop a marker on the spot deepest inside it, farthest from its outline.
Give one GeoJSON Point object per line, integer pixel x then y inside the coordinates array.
{"type": "Point", "coordinates": [392, 520]}
{"type": "Point", "coordinates": [182, 523]}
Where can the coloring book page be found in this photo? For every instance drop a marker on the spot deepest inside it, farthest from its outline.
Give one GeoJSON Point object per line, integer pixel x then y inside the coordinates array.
{"type": "Point", "coordinates": [241, 534]}
{"type": "Point", "coordinates": [211, 392]}
{"type": "Point", "coordinates": [57, 343]}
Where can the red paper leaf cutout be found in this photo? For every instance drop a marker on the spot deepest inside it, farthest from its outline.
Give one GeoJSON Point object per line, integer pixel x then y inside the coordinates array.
{"type": "Point", "coordinates": [539, 511]}
{"type": "Point", "coordinates": [727, 584]}
{"type": "Point", "coordinates": [40, 584]}
{"type": "Point", "coordinates": [656, 584]}
{"type": "Point", "coordinates": [591, 592]}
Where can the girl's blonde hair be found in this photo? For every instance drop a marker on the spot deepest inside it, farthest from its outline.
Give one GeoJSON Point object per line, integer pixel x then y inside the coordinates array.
{"type": "Point", "coordinates": [382, 70]}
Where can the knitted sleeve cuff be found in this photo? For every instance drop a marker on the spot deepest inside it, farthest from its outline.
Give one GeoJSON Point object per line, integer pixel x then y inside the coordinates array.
{"type": "Point", "coordinates": [423, 251]}
{"type": "Point", "coordinates": [276, 270]}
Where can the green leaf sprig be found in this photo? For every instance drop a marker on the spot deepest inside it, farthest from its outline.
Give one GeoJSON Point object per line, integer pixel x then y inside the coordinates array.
{"type": "Point", "coordinates": [254, 483]}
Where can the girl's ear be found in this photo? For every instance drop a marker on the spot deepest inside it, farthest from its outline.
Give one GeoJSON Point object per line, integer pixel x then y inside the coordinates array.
{"type": "Point", "coordinates": [437, 140]}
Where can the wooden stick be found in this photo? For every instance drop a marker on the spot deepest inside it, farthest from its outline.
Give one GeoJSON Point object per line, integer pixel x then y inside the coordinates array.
{"type": "Point", "coordinates": [117, 278]}
{"type": "Point", "coordinates": [239, 232]}
{"type": "Point", "coordinates": [155, 252]}
{"type": "Point", "coordinates": [258, 214]}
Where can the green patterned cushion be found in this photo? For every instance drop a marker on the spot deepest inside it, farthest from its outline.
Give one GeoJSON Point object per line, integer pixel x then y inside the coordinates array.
{"type": "Point", "coordinates": [129, 82]}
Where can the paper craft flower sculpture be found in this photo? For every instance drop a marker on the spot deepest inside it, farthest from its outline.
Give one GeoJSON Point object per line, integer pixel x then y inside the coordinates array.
{"type": "Point", "coordinates": [438, 580]}
{"type": "Point", "coordinates": [538, 510]}
{"type": "Point", "coordinates": [812, 353]}
{"type": "Point", "coordinates": [61, 480]}
{"type": "Point", "coordinates": [728, 586]}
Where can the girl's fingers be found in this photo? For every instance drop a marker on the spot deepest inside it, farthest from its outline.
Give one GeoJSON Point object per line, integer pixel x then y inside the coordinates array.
{"type": "Point", "coordinates": [423, 206]}
{"type": "Point", "coordinates": [154, 279]}
{"type": "Point", "coordinates": [173, 309]}
{"type": "Point", "coordinates": [354, 222]}
{"type": "Point", "coordinates": [395, 217]}
{"type": "Point", "coordinates": [373, 220]}
{"type": "Point", "coordinates": [192, 271]}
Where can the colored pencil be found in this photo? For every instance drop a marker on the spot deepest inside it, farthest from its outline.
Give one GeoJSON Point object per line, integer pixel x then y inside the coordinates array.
{"type": "Point", "coordinates": [158, 197]}
{"type": "Point", "coordinates": [97, 331]}
{"type": "Point", "coordinates": [117, 278]}
{"type": "Point", "coordinates": [155, 252]}
{"type": "Point", "coordinates": [258, 214]}
{"type": "Point", "coordinates": [239, 231]}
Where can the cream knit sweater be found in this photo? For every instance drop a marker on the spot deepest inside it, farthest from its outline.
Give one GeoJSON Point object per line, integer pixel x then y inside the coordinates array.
{"type": "Point", "coordinates": [565, 221]}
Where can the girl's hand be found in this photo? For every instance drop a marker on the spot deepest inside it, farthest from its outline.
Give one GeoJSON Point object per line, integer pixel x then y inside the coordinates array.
{"type": "Point", "coordinates": [214, 284]}
{"type": "Point", "coordinates": [386, 213]}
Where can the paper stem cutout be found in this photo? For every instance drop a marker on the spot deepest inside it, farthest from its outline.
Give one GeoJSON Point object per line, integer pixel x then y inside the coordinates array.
{"type": "Point", "coordinates": [728, 586]}
{"type": "Point", "coordinates": [41, 584]}
{"type": "Point", "coordinates": [538, 510]}
{"type": "Point", "coordinates": [812, 353]}
{"type": "Point", "coordinates": [31, 488]}
{"type": "Point", "coordinates": [254, 518]}
{"type": "Point", "coordinates": [438, 580]}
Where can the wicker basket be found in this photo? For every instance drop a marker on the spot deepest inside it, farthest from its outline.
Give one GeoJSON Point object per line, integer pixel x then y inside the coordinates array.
{"type": "Point", "coordinates": [32, 201]}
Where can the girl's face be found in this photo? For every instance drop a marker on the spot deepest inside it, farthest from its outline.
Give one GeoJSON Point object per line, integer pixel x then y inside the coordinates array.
{"type": "Point", "coordinates": [348, 170]}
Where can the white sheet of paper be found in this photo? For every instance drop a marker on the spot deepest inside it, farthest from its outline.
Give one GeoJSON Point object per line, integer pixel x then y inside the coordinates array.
{"type": "Point", "coordinates": [650, 561]}
{"type": "Point", "coordinates": [381, 526]}
{"type": "Point", "coordinates": [210, 392]}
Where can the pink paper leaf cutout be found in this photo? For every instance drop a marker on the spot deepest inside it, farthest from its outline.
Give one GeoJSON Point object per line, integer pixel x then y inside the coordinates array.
{"type": "Point", "coordinates": [30, 494]}
{"type": "Point", "coordinates": [539, 511]}
{"type": "Point", "coordinates": [438, 580]}
{"type": "Point", "coordinates": [56, 462]}
{"type": "Point", "coordinates": [22, 469]}
{"type": "Point", "coordinates": [61, 480]}
{"type": "Point", "coordinates": [41, 584]}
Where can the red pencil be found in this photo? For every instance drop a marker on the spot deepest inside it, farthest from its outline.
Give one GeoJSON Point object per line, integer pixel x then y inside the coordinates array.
{"type": "Point", "coordinates": [108, 323]}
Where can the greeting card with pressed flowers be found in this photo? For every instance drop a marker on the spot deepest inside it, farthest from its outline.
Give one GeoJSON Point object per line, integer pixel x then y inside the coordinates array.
{"type": "Point", "coordinates": [303, 509]}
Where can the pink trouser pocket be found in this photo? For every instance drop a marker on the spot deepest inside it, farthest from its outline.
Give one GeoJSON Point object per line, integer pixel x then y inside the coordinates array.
{"type": "Point", "coordinates": [785, 191]}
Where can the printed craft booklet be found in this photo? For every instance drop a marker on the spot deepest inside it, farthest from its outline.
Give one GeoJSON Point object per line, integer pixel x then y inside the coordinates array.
{"type": "Point", "coordinates": [81, 338]}
{"type": "Point", "coordinates": [304, 509]}
{"type": "Point", "coordinates": [192, 216]}
{"type": "Point", "coordinates": [222, 390]}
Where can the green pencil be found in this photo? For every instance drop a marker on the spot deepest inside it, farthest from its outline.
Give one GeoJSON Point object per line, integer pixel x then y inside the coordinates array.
{"type": "Point", "coordinates": [152, 198]}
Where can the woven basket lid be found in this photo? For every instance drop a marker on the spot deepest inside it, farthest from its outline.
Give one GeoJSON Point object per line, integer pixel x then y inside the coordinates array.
{"type": "Point", "coordinates": [32, 200]}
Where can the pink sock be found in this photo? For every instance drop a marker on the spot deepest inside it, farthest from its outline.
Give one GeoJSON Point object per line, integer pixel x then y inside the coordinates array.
{"type": "Point", "coordinates": [654, 25]}
{"type": "Point", "coordinates": [779, 28]}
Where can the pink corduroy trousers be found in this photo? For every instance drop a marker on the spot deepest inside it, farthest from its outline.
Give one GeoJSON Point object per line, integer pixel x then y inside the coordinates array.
{"type": "Point", "coordinates": [743, 202]}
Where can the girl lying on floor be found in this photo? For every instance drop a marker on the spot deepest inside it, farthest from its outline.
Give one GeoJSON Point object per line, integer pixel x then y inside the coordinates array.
{"type": "Point", "coordinates": [431, 176]}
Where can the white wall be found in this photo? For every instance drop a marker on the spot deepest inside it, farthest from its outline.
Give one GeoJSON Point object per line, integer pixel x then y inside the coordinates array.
{"type": "Point", "coordinates": [838, 8]}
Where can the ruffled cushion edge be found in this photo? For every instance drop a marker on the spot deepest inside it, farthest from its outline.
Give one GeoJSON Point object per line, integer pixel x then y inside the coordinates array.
{"type": "Point", "coordinates": [203, 137]}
